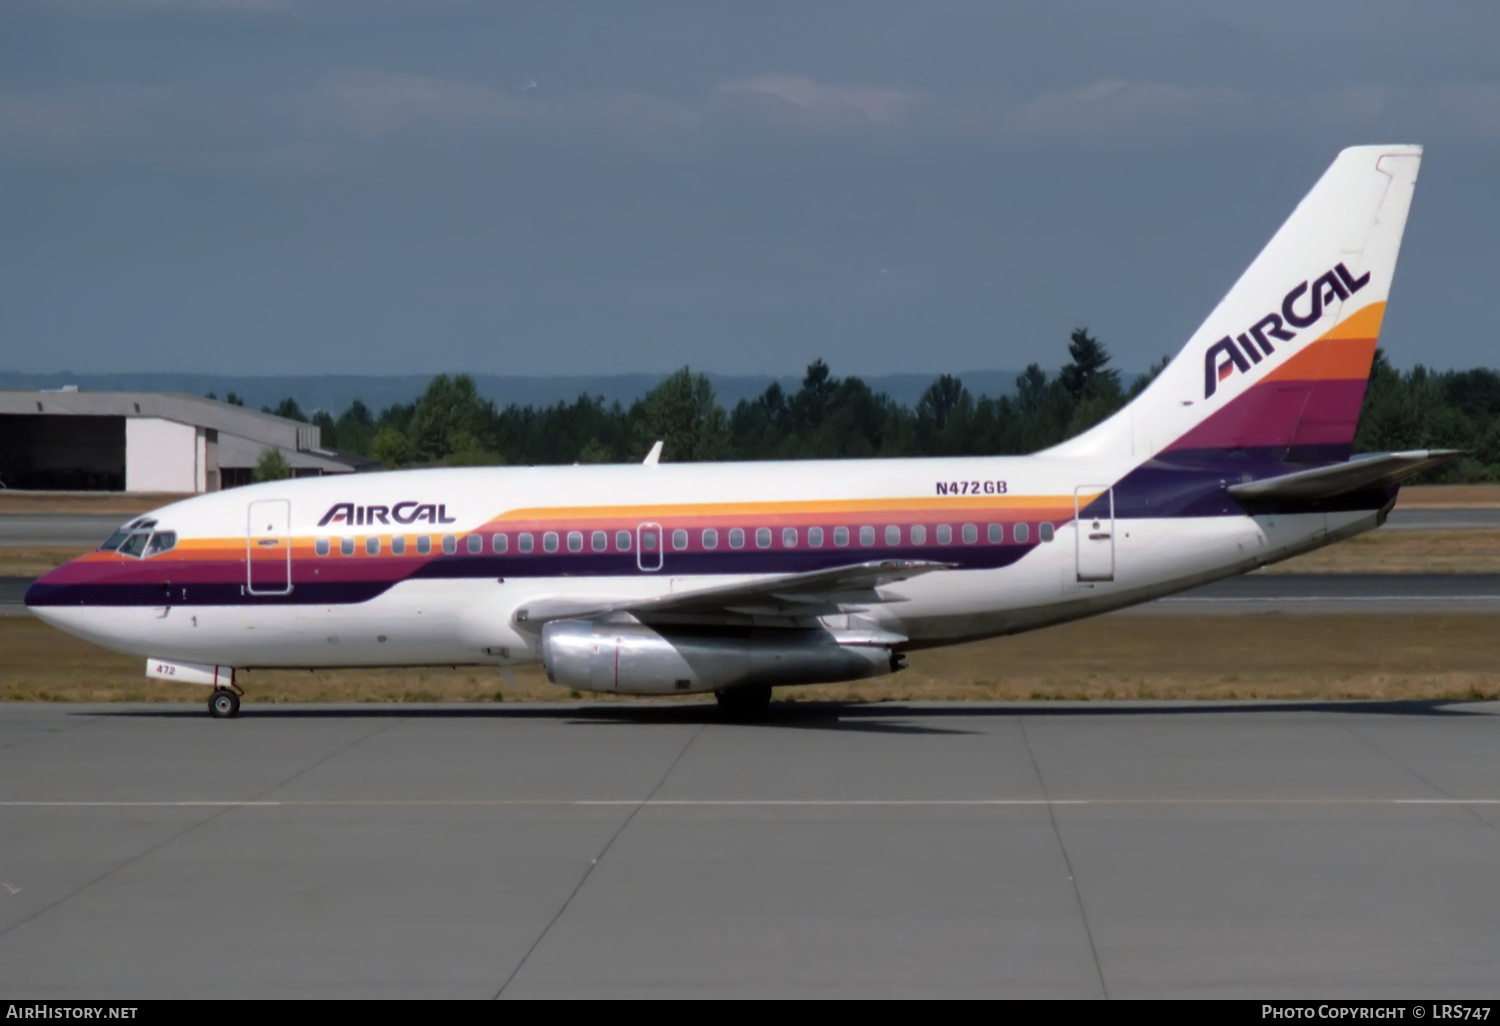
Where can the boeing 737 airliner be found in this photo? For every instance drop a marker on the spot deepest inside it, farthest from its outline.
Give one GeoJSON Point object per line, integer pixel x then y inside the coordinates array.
{"type": "Point", "coordinates": [735, 578]}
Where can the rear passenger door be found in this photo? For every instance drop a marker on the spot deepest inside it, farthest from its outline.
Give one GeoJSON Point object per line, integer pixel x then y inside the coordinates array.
{"type": "Point", "coordinates": [1095, 532]}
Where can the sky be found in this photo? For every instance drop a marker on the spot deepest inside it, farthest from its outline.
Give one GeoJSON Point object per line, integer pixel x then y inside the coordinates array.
{"type": "Point", "coordinates": [372, 187]}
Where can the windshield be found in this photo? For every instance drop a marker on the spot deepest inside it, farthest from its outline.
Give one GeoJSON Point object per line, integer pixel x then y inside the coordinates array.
{"type": "Point", "coordinates": [114, 541]}
{"type": "Point", "coordinates": [161, 541]}
{"type": "Point", "coordinates": [135, 544]}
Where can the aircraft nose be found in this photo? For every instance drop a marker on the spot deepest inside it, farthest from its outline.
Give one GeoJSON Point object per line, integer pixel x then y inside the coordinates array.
{"type": "Point", "coordinates": [49, 589]}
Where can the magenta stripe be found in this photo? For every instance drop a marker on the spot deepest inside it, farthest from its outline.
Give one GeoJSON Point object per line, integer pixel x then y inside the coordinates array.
{"type": "Point", "coordinates": [1282, 413]}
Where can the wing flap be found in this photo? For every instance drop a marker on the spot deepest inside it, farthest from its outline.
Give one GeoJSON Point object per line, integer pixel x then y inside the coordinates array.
{"type": "Point", "coordinates": [816, 593]}
{"type": "Point", "coordinates": [1376, 471]}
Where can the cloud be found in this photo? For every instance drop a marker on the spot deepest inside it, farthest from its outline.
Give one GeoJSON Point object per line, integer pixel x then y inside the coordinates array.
{"type": "Point", "coordinates": [72, 118]}
{"type": "Point", "coordinates": [797, 99]}
{"type": "Point", "coordinates": [376, 105]}
{"type": "Point", "coordinates": [337, 121]}
{"type": "Point", "coordinates": [1110, 110]}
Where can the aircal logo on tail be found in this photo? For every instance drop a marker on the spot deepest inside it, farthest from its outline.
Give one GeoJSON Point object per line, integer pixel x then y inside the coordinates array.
{"type": "Point", "coordinates": [1228, 354]}
{"type": "Point", "coordinates": [401, 513]}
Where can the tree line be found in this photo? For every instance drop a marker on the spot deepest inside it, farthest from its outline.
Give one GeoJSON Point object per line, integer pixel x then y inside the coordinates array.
{"type": "Point", "coordinates": [829, 417]}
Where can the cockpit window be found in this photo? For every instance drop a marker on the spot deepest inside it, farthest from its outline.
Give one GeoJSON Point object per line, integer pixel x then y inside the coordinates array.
{"type": "Point", "coordinates": [115, 540]}
{"type": "Point", "coordinates": [161, 541]}
{"type": "Point", "coordinates": [135, 544]}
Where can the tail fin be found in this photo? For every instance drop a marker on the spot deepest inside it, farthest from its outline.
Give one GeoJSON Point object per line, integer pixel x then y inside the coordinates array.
{"type": "Point", "coordinates": [1281, 364]}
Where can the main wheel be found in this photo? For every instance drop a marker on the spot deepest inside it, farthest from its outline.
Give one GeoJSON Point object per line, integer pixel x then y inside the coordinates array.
{"type": "Point", "coordinates": [223, 704]}
{"type": "Point", "coordinates": [742, 704]}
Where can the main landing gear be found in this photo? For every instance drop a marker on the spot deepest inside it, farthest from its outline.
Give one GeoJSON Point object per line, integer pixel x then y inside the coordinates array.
{"type": "Point", "coordinates": [741, 705]}
{"type": "Point", "coordinates": [223, 704]}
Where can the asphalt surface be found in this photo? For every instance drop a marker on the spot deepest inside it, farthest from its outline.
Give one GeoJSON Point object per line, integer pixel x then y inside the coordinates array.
{"type": "Point", "coordinates": [1298, 850]}
{"type": "Point", "coordinates": [1482, 518]}
{"type": "Point", "coordinates": [83, 530]}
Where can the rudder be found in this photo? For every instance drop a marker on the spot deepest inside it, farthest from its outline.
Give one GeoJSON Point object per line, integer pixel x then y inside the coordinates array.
{"type": "Point", "coordinates": [1281, 364]}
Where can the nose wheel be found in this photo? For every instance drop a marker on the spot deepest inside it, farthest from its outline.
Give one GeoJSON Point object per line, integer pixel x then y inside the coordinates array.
{"type": "Point", "coordinates": [223, 704]}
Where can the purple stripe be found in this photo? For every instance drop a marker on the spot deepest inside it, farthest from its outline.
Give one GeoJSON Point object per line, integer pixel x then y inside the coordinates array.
{"type": "Point", "coordinates": [1275, 414]}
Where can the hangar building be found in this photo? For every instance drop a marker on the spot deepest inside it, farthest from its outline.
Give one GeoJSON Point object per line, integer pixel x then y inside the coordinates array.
{"type": "Point", "coordinates": [146, 442]}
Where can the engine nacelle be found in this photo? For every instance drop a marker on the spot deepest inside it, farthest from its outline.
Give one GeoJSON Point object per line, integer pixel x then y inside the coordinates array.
{"type": "Point", "coordinates": [631, 658]}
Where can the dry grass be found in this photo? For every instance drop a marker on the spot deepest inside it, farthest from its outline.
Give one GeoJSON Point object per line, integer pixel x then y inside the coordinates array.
{"type": "Point", "coordinates": [123, 503]}
{"type": "Point", "coordinates": [33, 561]}
{"type": "Point", "coordinates": [1402, 552]}
{"type": "Point", "coordinates": [1448, 496]}
{"type": "Point", "coordinates": [1426, 656]}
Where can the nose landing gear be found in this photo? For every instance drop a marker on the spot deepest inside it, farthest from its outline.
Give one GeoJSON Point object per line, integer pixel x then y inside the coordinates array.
{"type": "Point", "coordinates": [223, 704]}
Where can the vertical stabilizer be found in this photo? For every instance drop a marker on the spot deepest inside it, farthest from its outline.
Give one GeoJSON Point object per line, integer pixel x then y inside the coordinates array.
{"type": "Point", "coordinates": [1281, 364]}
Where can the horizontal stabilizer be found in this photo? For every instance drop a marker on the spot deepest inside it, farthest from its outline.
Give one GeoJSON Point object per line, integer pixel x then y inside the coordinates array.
{"type": "Point", "coordinates": [1378, 470]}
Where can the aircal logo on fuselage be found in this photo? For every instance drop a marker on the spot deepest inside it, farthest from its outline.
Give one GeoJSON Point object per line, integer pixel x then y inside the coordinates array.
{"type": "Point", "coordinates": [400, 513]}
{"type": "Point", "coordinates": [1228, 355]}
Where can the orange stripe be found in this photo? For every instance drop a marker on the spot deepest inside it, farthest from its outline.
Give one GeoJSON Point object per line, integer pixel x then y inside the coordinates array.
{"type": "Point", "coordinates": [929, 504]}
{"type": "Point", "coordinates": [1345, 352]}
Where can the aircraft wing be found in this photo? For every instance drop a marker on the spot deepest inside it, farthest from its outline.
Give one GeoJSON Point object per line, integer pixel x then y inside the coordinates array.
{"type": "Point", "coordinates": [1375, 471]}
{"type": "Point", "coordinates": [816, 593]}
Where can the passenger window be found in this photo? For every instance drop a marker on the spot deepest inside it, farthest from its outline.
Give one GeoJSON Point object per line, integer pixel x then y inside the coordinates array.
{"type": "Point", "coordinates": [450, 544]}
{"type": "Point", "coordinates": [893, 535]}
{"type": "Point", "coordinates": [679, 539]}
{"type": "Point", "coordinates": [866, 536]}
{"type": "Point", "coordinates": [710, 538]}
{"type": "Point", "coordinates": [1044, 531]}
{"type": "Point", "coordinates": [737, 538]}
{"type": "Point", "coordinates": [424, 545]}
{"type": "Point", "coordinates": [524, 541]}
{"type": "Point", "coordinates": [549, 541]}
{"type": "Point", "coordinates": [996, 533]}
{"type": "Point", "coordinates": [398, 546]}
{"type": "Point", "coordinates": [944, 534]}
{"type": "Point", "coordinates": [575, 541]}
{"type": "Point", "coordinates": [971, 534]}
{"type": "Point", "coordinates": [321, 546]}
{"type": "Point", "coordinates": [599, 541]}
{"type": "Point", "coordinates": [622, 541]}
{"type": "Point", "coordinates": [815, 537]}
{"type": "Point", "coordinates": [346, 546]}
{"type": "Point", "coordinates": [841, 536]}
{"type": "Point", "coordinates": [499, 543]}
{"type": "Point", "coordinates": [918, 534]}
{"type": "Point", "coordinates": [1023, 533]}
{"type": "Point", "coordinates": [161, 541]}
{"type": "Point", "coordinates": [763, 537]}
{"type": "Point", "coordinates": [372, 546]}
{"type": "Point", "coordinates": [789, 537]}
{"type": "Point", "coordinates": [475, 544]}
{"type": "Point", "coordinates": [648, 540]}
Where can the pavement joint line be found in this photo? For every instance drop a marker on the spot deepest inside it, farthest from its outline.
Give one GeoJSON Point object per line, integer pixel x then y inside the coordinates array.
{"type": "Point", "coordinates": [724, 802]}
{"type": "Point", "coordinates": [1062, 847]}
{"type": "Point", "coordinates": [223, 807]}
{"type": "Point", "coordinates": [594, 864]}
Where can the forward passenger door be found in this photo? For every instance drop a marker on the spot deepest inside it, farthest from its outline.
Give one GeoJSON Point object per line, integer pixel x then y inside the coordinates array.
{"type": "Point", "coordinates": [268, 547]}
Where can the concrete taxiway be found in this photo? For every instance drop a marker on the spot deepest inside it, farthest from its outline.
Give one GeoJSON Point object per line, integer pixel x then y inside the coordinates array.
{"type": "Point", "coordinates": [1295, 850]}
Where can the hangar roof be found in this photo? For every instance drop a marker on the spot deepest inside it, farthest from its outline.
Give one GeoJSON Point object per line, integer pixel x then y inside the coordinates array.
{"type": "Point", "coordinates": [243, 432]}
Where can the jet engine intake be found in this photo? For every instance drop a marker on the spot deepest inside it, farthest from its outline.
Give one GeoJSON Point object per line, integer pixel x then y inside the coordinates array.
{"type": "Point", "coordinates": [635, 659]}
